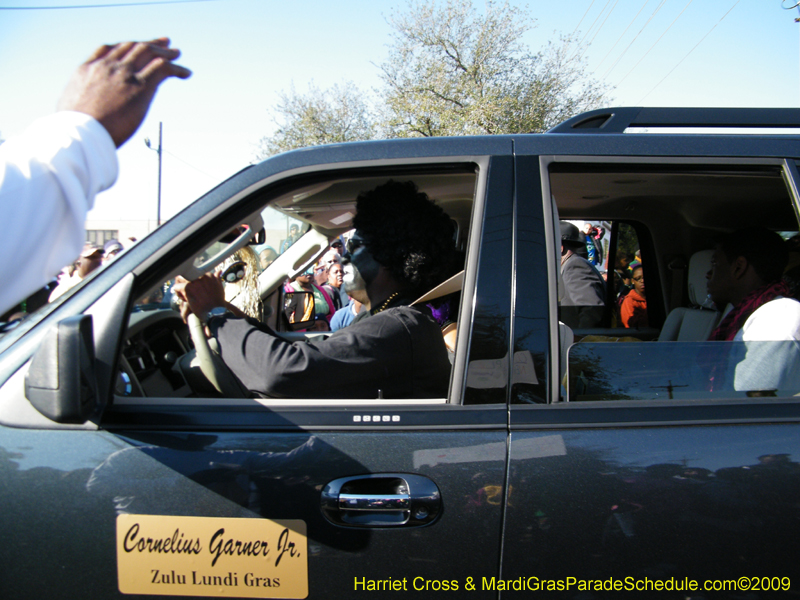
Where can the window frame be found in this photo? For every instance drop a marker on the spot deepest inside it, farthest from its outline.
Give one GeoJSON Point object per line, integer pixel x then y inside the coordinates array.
{"type": "Point", "coordinates": [556, 414]}
{"type": "Point", "coordinates": [204, 413]}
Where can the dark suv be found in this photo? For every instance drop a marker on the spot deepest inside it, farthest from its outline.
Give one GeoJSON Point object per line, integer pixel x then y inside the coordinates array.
{"type": "Point", "coordinates": [575, 461]}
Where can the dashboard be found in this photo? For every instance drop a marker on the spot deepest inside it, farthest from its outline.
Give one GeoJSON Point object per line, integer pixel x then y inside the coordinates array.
{"type": "Point", "coordinates": [157, 343]}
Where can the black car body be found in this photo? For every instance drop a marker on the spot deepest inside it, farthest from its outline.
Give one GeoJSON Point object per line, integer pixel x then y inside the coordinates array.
{"type": "Point", "coordinates": [542, 470]}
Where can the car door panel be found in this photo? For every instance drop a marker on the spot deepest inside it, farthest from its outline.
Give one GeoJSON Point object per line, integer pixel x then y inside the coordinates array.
{"type": "Point", "coordinates": [629, 490]}
{"type": "Point", "coordinates": [703, 502]}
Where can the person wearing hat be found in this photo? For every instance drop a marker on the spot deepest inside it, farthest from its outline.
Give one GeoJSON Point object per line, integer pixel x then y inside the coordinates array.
{"type": "Point", "coordinates": [111, 249]}
{"type": "Point", "coordinates": [91, 258]}
{"type": "Point", "coordinates": [584, 289]}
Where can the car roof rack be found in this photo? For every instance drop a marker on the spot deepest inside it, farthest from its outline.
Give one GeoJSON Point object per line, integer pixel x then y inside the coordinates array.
{"type": "Point", "coordinates": [618, 120]}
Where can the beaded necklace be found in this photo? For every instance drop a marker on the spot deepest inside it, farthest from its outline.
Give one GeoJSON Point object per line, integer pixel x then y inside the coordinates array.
{"type": "Point", "coordinates": [386, 303]}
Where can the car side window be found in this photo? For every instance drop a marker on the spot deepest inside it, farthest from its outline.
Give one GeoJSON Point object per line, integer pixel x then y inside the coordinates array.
{"type": "Point", "coordinates": [159, 357]}
{"type": "Point", "coordinates": [664, 339]}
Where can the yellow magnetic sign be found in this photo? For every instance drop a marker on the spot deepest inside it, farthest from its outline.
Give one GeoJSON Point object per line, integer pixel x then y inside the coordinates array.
{"type": "Point", "coordinates": [208, 556]}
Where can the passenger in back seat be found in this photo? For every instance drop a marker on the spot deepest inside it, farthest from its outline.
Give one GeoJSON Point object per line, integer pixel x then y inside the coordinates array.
{"type": "Point", "coordinates": [583, 304]}
{"type": "Point", "coordinates": [746, 270]}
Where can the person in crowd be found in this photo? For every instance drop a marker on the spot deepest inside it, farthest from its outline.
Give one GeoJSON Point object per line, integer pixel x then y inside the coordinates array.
{"type": "Point", "coordinates": [403, 245]}
{"type": "Point", "coordinates": [330, 257]}
{"type": "Point", "coordinates": [266, 257]}
{"type": "Point", "coordinates": [592, 236]}
{"type": "Point", "coordinates": [334, 285]}
{"type": "Point", "coordinates": [91, 259]}
{"type": "Point", "coordinates": [294, 235]}
{"type": "Point", "coordinates": [59, 164]}
{"type": "Point", "coordinates": [320, 274]}
{"type": "Point", "coordinates": [338, 246]}
{"type": "Point", "coordinates": [583, 303]}
{"type": "Point", "coordinates": [111, 249]}
{"type": "Point", "coordinates": [345, 316]}
{"type": "Point", "coordinates": [633, 310]}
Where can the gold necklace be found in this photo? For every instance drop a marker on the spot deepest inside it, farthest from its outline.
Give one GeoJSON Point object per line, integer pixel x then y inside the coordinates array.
{"type": "Point", "coordinates": [385, 304]}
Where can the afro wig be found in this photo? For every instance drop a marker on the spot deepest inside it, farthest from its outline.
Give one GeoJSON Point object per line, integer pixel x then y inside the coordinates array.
{"type": "Point", "coordinates": [406, 233]}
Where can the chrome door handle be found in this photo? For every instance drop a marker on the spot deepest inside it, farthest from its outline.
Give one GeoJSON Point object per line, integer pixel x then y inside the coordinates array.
{"type": "Point", "coordinates": [374, 502]}
{"type": "Point", "coordinates": [381, 500]}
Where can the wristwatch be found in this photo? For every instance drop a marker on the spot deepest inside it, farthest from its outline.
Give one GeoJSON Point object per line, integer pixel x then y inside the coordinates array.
{"type": "Point", "coordinates": [219, 311]}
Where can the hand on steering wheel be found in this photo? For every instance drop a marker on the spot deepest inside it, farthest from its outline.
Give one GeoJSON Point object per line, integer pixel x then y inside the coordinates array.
{"type": "Point", "coordinates": [198, 297]}
{"type": "Point", "coordinates": [201, 295]}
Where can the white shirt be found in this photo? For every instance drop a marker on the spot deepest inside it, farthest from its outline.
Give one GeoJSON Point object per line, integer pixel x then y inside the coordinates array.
{"type": "Point", "coordinates": [49, 177]}
{"type": "Point", "coordinates": [64, 285]}
{"type": "Point", "coordinates": [769, 358]}
{"type": "Point", "coordinates": [776, 320]}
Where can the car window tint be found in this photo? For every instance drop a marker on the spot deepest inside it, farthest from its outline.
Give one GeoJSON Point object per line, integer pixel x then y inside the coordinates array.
{"type": "Point", "coordinates": [682, 370]}
{"type": "Point", "coordinates": [661, 222]}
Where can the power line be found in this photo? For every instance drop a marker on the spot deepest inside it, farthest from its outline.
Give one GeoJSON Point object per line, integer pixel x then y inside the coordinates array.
{"type": "Point", "coordinates": [624, 52]}
{"type": "Point", "coordinates": [623, 34]}
{"type": "Point", "coordinates": [192, 166]}
{"type": "Point", "coordinates": [688, 53]}
{"type": "Point", "coordinates": [656, 42]}
{"type": "Point", "coordinates": [604, 22]}
{"type": "Point", "coordinates": [79, 6]}
{"type": "Point", "coordinates": [595, 22]}
{"type": "Point", "coordinates": [586, 47]}
{"type": "Point", "coordinates": [583, 17]}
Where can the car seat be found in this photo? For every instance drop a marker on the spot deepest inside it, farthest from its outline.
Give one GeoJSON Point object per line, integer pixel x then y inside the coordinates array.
{"type": "Point", "coordinates": [693, 324]}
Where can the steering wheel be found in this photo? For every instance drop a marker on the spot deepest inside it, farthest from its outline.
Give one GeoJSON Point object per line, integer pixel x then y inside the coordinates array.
{"type": "Point", "coordinates": [211, 364]}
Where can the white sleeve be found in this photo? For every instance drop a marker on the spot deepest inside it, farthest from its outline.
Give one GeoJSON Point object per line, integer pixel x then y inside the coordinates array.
{"type": "Point", "coordinates": [49, 176]}
{"type": "Point", "coordinates": [776, 320]}
{"type": "Point", "coordinates": [766, 350]}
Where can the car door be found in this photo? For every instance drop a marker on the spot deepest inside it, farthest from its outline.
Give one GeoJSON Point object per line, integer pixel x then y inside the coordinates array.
{"type": "Point", "coordinates": [194, 496]}
{"type": "Point", "coordinates": [682, 491]}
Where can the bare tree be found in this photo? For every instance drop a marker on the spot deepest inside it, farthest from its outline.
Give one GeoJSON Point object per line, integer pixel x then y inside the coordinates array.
{"type": "Point", "coordinates": [454, 71]}
{"type": "Point", "coordinates": [451, 71]}
{"type": "Point", "coordinates": [338, 114]}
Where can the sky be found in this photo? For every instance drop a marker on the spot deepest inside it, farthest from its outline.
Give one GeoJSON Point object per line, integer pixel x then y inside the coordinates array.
{"type": "Point", "coordinates": [244, 53]}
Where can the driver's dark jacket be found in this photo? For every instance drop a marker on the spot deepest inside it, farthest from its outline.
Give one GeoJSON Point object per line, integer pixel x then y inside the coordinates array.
{"type": "Point", "coordinates": [397, 353]}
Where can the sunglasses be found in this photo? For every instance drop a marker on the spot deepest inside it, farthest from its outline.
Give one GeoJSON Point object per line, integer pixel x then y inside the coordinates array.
{"type": "Point", "coordinates": [354, 244]}
{"type": "Point", "coordinates": [235, 272]}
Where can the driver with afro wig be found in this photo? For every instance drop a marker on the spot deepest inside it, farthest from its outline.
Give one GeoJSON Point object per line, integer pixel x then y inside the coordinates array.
{"type": "Point", "coordinates": [403, 246]}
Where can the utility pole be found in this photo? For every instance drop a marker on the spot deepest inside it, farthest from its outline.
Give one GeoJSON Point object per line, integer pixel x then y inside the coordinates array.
{"type": "Point", "coordinates": [158, 151]}
{"type": "Point", "coordinates": [797, 19]}
{"type": "Point", "coordinates": [795, 5]}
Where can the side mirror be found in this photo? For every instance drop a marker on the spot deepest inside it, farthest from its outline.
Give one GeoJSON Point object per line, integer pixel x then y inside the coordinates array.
{"type": "Point", "coordinates": [298, 308]}
{"type": "Point", "coordinates": [61, 382]}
